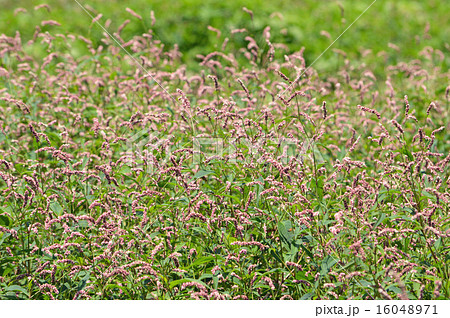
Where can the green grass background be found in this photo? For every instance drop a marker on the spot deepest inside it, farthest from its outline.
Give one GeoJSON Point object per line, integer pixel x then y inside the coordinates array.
{"type": "Point", "coordinates": [185, 22]}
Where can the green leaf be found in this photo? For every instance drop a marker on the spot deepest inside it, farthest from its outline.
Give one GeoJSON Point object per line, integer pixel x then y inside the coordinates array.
{"type": "Point", "coordinates": [20, 168]}
{"type": "Point", "coordinates": [82, 283]}
{"type": "Point", "coordinates": [57, 208]}
{"type": "Point", "coordinates": [307, 296]}
{"type": "Point", "coordinates": [4, 221]}
{"type": "Point", "coordinates": [277, 255]}
{"type": "Point", "coordinates": [380, 219]}
{"type": "Point", "coordinates": [365, 283]}
{"type": "Point", "coordinates": [85, 161]}
{"type": "Point", "coordinates": [317, 186]}
{"type": "Point", "coordinates": [406, 151]}
{"type": "Point", "coordinates": [327, 263]}
{"type": "Point", "coordinates": [54, 138]}
{"type": "Point", "coordinates": [3, 237]}
{"type": "Point", "coordinates": [202, 260]}
{"type": "Point", "coordinates": [17, 288]}
{"type": "Point", "coordinates": [438, 243]}
{"type": "Point", "coordinates": [202, 173]}
{"type": "Point", "coordinates": [307, 251]}
{"type": "Point", "coordinates": [284, 229]}
{"type": "Point", "coordinates": [394, 289]}
{"type": "Point", "coordinates": [427, 195]}
{"type": "Point", "coordinates": [83, 223]}
{"type": "Point", "coordinates": [7, 271]}
{"type": "Point", "coordinates": [216, 281]}
{"type": "Point", "coordinates": [65, 286]}
{"type": "Point", "coordinates": [206, 276]}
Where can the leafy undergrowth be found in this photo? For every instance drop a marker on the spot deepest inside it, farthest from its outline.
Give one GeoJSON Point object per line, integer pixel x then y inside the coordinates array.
{"type": "Point", "coordinates": [243, 181]}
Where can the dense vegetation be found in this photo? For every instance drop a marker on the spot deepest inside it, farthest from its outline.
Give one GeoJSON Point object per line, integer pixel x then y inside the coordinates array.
{"type": "Point", "coordinates": [215, 164]}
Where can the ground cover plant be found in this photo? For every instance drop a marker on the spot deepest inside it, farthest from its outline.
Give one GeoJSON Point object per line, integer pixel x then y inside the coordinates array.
{"type": "Point", "coordinates": [247, 176]}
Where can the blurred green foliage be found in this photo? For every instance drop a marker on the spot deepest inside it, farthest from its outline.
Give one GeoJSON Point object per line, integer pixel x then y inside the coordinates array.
{"type": "Point", "coordinates": [409, 25]}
